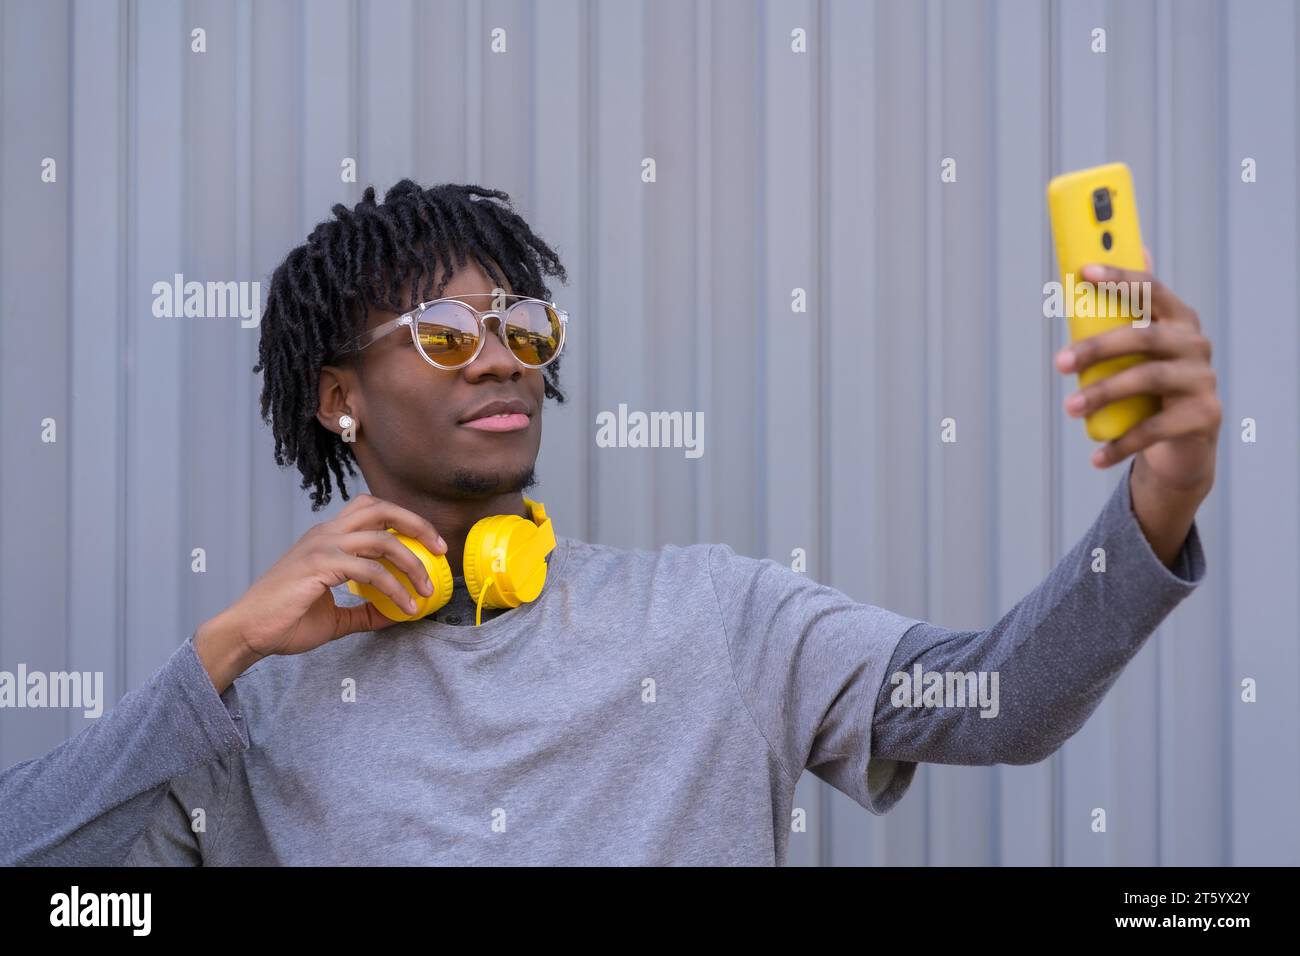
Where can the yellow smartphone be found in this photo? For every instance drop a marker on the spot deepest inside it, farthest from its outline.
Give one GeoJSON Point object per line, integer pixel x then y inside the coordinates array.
{"type": "Point", "coordinates": [1095, 220]}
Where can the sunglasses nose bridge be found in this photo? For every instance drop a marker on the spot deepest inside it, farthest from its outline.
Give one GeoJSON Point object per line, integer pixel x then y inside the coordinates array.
{"type": "Point", "coordinates": [498, 332]}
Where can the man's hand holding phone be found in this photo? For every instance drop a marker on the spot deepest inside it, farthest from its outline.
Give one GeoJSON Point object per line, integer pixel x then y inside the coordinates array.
{"type": "Point", "coordinates": [1177, 445]}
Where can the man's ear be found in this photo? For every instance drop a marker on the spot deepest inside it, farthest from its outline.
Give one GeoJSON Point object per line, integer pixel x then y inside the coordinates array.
{"type": "Point", "coordinates": [336, 396]}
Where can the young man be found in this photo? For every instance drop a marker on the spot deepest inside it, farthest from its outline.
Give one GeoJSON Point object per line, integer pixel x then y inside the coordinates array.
{"type": "Point", "coordinates": [648, 707]}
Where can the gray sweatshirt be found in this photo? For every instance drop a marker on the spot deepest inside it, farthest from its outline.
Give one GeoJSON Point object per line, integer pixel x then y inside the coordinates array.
{"type": "Point", "coordinates": [651, 707]}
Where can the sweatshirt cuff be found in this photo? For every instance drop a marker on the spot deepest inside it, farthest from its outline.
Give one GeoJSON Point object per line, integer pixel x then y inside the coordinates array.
{"type": "Point", "coordinates": [218, 715]}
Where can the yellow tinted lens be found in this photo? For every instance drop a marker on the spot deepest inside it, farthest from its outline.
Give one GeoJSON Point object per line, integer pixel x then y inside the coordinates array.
{"type": "Point", "coordinates": [448, 333]}
{"type": "Point", "coordinates": [533, 332]}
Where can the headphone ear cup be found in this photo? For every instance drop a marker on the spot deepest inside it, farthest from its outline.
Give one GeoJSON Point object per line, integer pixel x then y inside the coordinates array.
{"type": "Point", "coordinates": [439, 573]}
{"type": "Point", "coordinates": [470, 565]}
{"type": "Point", "coordinates": [488, 550]}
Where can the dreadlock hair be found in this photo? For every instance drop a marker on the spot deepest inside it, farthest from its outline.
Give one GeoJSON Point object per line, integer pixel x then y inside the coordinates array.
{"type": "Point", "coordinates": [365, 257]}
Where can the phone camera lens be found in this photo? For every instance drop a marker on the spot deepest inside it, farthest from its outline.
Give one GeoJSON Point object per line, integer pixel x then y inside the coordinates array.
{"type": "Point", "coordinates": [1106, 241]}
{"type": "Point", "coordinates": [1101, 204]}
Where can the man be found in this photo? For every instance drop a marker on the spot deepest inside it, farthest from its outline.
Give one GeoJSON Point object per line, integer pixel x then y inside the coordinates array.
{"type": "Point", "coordinates": [648, 707]}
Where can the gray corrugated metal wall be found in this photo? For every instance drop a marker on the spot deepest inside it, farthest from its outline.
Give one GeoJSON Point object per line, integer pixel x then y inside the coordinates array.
{"type": "Point", "coordinates": [775, 170]}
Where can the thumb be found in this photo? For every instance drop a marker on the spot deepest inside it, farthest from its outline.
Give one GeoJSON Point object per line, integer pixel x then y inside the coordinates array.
{"type": "Point", "coordinates": [362, 617]}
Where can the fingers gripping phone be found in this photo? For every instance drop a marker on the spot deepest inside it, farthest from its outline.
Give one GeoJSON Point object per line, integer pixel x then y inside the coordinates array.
{"type": "Point", "coordinates": [1095, 220]}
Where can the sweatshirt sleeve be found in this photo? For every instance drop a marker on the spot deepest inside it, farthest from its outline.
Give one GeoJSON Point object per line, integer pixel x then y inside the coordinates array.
{"type": "Point", "coordinates": [809, 662]}
{"type": "Point", "coordinates": [88, 801]}
{"type": "Point", "coordinates": [1045, 666]}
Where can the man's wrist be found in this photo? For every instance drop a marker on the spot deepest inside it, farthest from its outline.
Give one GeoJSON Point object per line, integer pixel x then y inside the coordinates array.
{"type": "Point", "coordinates": [1163, 514]}
{"type": "Point", "coordinates": [222, 651]}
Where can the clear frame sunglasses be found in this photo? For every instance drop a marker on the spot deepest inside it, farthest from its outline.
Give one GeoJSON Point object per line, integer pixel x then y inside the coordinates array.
{"type": "Point", "coordinates": [450, 333]}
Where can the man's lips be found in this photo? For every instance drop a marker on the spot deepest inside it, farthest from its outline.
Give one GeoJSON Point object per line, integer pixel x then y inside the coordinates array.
{"type": "Point", "coordinates": [510, 422]}
{"type": "Point", "coordinates": [501, 415]}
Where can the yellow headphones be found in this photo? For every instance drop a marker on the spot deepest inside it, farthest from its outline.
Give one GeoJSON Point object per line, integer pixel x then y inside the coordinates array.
{"type": "Point", "coordinates": [504, 566]}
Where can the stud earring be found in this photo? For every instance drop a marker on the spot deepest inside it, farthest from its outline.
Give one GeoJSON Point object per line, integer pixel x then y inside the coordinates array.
{"type": "Point", "coordinates": [346, 421]}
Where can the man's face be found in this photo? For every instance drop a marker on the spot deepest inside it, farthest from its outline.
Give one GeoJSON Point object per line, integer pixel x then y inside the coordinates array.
{"type": "Point", "coordinates": [412, 438]}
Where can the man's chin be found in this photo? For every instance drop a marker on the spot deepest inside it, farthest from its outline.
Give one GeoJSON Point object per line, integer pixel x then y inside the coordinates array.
{"type": "Point", "coordinates": [471, 483]}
